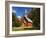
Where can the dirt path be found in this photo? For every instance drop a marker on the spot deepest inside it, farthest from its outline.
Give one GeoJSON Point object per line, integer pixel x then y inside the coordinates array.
{"type": "Point", "coordinates": [21, 27]}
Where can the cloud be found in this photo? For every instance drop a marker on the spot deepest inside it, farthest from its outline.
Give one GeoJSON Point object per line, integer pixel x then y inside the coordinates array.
{"type": "Point", "coordinates": [14, 11]}
{"type": "Point", "coordinates": [18, 16]}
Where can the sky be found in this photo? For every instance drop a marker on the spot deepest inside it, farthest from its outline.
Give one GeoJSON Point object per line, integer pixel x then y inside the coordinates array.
{"type": "Point", "coordinates": [20, 11]}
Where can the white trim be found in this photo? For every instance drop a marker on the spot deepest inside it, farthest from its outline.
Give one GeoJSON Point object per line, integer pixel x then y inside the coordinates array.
{"type": "Point", "coordinates": [28, 31]}
{"type": "Point", "coordinates": [28, 18]}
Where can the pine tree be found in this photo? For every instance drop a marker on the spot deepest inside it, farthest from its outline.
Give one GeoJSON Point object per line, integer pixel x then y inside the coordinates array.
{"type": "Point", "coordinates": [35, 16]}
{"type": "Point", "coordinates": [13, 19]}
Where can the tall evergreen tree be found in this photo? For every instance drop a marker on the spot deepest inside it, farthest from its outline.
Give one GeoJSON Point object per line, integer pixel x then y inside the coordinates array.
{"type": "Point", "coordinates": [13, 19]}
{"type": "Point", "coordinates": [35, 16]}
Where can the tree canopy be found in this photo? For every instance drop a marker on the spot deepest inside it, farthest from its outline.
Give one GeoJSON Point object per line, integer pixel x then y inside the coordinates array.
{"type": "Point", "coordinates": [35, 16]}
